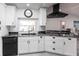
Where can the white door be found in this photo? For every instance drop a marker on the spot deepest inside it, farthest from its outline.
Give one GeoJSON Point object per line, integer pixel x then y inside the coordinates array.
{"type": "Point", "coordinates": [41, 45]}
{"type": "Point", "coordinates": [22, 45]}
{"type": "Point", "coordinates": [70, 46]}
{"type": "Point", "coordinates": [33, 44]}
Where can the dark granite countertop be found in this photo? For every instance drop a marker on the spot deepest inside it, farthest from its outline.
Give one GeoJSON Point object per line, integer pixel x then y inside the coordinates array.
{"type": "Point", "coordinates": [40, 35]}
{"type": "Point", "coordinates": [47, 35]}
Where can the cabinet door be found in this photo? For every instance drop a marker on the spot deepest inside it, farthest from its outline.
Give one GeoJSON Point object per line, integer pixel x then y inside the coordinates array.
{"type": "Point", "coordinates": [54, 44]}
{"type": "Point", "coordinates": [42, 16]}
{"type": "Point", "coordinates": [70, 46]}
{"type": "Point", "coordinates": [41, 46]}
{"type": "Point", "coordinates": [22, 45]}
{"type": "Point", "coordinates": [10, 15]}
{"type": "Point", "coordinates": [3, 30]}
{"type": "Point", "coordinates": [48, 43]}
{"type": "Point", "coordinates": [33, 44]}
{"type": "Point", "coordinates": [57, 45]}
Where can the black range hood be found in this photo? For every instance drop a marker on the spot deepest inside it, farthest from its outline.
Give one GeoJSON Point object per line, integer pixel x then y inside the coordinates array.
{"type": "Point", "coordinates": [56, 13]}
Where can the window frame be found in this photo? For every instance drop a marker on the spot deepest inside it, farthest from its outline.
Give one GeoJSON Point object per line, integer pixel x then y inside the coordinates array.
{"type": "Point", "coordinates": [27, 25]}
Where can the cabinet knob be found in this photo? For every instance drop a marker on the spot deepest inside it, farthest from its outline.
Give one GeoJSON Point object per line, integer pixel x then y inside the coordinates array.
{"type": "Point", "coordinates": [69, 39]}
{"type": "Point", "coordinates": [53, 37]}
{"type": "Point", "coordinates": [40, 36]}
{"type": "Point", "coordinates": [54, 49]}
{"type": "Point", "coordinates": [54, 42]}
{"type": "Point", "coordinates": [28, 42]}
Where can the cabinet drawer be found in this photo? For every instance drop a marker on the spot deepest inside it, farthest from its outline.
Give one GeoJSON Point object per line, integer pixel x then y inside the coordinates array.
{"type": "Point", "coordinates": [56, 50]}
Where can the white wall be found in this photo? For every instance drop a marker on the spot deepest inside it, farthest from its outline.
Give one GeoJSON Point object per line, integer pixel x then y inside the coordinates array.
{"type": "Point", "coordinates": [54, 23]}
{"type": "Point", "coordinates": [20, 13]}
{"type": "Point", "coordinates": [71, 9]}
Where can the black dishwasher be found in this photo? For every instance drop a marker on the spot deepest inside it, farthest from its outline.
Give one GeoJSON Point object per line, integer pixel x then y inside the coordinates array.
{"type": "Point", "coordinates": [10, 46]}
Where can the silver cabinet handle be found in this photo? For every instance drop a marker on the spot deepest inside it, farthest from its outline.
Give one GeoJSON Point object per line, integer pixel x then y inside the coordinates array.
{"type": "Point", "coordinates": [38, 41]}
{"type": "Point", "coordinates": [64, 43]}
{"type": "Point", "coordinates": [28, 42]}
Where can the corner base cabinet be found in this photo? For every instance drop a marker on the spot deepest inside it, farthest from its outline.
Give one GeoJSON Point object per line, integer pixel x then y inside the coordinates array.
{"type": "Point", "coordinates": [61, 45]}
{"type": "Point", "coordinates": [54, 44]}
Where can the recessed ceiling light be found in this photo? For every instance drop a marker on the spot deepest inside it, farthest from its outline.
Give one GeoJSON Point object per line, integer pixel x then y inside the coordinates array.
{"type": "Point", "coordinates": [27, 4]}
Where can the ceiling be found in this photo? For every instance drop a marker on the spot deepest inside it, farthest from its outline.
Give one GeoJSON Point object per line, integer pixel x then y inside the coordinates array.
{"type": "Point", "coordinates": [32, 5]}
{"type": "Point", "coordinates": [70, 8]}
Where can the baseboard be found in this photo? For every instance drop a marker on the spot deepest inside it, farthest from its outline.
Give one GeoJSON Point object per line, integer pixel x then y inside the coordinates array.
{"type": "Point", "coordinates": [56, 53]}
{"type": "Point", "coordinates": [31, 53]}
{"type": "Point", "coordinates": [43, 52]}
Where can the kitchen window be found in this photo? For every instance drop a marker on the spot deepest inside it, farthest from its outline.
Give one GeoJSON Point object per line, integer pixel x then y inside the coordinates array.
{"type": "Point", "coordinates": [27, 25]}
{"type": "Point", "coordinates": [76, 24]}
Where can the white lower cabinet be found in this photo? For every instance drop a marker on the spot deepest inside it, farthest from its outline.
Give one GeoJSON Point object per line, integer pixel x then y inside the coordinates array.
{"type": "Point", "coordinates": [70, 46]}
{"type": "Point", "coordinates": [33, 44]}
{"type": "Point", "coordinates": [57, 45]}
{"type": "Point", "coordinates": [48, 43]}
{"type": "Point", "coordinates": [22, 45]}
{"type": "Point", "coordinates": [41, 45]}
{"type": "Point", "coordinates": [27, 44]}
{"type": "Point", "coordinates": [54, 44]}
{"type": "Point", "coordinates": [61, 45]}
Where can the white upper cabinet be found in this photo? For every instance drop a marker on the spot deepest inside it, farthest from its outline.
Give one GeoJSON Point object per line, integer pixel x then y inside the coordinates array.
{"type": "Point", "coordinates": [2, 25]}
{"type": "Point", "coordinates": [2, 11]}
{"type": "Point", "coordinates": [42, 16]}
{"type": "Point", "coordinates": [3, 30]}
{"type": "Point", "coordinates": [10, 15]}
